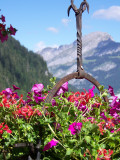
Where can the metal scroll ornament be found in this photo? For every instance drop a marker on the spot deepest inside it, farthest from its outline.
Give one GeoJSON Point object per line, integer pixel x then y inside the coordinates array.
{"type": "Point", "coordinates": [80, 74]}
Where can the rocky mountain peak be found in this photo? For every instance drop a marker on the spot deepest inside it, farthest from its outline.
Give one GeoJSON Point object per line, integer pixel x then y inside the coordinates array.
{"type": "Point", "coordinates": [101, 58]}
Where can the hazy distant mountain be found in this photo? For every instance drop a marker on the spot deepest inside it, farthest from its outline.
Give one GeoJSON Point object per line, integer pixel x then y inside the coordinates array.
{"type": "Point", "coordinates": [101, 59]}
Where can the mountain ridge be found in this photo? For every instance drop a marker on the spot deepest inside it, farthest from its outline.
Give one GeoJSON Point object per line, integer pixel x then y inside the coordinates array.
{"type": "Point", "coordinates": [101, 59]}
{"type": "Point", "coordinates": [21, 67]}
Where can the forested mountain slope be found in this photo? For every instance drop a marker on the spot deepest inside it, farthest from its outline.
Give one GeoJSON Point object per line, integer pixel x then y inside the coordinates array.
{"type": "Point", "coordinates": [21, 67]}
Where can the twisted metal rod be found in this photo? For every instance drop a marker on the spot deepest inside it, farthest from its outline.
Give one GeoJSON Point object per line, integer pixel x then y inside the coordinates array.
{"type": "Point", "coordinates": [78, 14]}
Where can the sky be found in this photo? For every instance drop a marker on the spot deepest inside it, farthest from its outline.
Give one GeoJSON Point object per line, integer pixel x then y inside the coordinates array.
{"type": "Point", "coordinates": [45, 23]}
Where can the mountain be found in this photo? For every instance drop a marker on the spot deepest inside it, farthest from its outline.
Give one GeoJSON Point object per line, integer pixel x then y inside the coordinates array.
{"type": "Point", "coordinates": [101, 59]}
{"type": "Point", "coordinates": [21, 67]}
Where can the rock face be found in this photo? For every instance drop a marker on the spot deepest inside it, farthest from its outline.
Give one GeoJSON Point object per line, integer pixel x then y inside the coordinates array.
{"type": "Point", "coordinates": [101, 59]}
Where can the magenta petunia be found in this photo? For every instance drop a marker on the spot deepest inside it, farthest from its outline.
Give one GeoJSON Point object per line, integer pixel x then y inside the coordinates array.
{"type": "Point", "coordinates": [75, 127]}
{"type": "Point", "coordinates": [91, 91]}
{"type": "Point", "coordinates": [50, 144]}
{"type": "Point", "coordinates": [37, 88]}
{"type": "Point", "coordinates": [110, 90]}
{"type": "Point", "coordinates": [8, 92]}
{"type": "Point", "coordinates": [38, 99]}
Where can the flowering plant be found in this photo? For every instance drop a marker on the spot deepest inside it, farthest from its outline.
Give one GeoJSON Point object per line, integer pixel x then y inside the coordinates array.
{"type": "Point", "coordinates": [74, 126]}
{"type": "Point", "coordinates": [5, 32]}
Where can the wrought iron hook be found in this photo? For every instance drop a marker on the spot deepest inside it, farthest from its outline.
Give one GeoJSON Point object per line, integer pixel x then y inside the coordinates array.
{"type": "Point", "coordinates": [72, 6]}
{"type": "Point", "coordinates": [78, 14]}
{"type": "Point", "coordinates": [81, 8]}
{"type": "Point", "coordinates": [80, 74]}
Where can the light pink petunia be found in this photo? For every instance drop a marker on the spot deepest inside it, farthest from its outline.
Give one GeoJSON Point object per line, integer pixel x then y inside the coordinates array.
{"type": "Point", "coordinates": [37, 88]}
{"type": "Point", "coordinates": [62, 89]}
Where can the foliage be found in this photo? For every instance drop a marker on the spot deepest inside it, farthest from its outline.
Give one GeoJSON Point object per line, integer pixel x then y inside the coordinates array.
{"type": "Point", "coordinates": [21, 67]}
{"type": "Point", "coordinates": [73, 126]}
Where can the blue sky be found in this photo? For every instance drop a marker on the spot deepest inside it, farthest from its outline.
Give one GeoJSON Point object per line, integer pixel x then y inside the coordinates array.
{"type": "Point", "coordinates": [44, 23]}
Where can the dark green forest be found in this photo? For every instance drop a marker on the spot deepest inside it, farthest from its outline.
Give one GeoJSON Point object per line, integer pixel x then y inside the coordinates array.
{"type": "Point", "coordinates": [21, 67]}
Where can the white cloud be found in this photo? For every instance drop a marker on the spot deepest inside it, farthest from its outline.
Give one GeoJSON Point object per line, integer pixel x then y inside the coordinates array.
{"type": "Point", "coordinates": [111, 13]}
{"type": "Point", "coordinates": [52, 29]}
{"type": "Point", "coordinates": [39, 46]}
{"type": "Point", "coordinates": [65, 21]}
{"type": "Point", "coordinates": [54, 46]}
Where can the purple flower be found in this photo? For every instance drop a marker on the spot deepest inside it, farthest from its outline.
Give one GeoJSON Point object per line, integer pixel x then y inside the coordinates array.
{"type": "Point", "coordinates": [37, 88]}
{"type": "Point", "coordinates": [82, 107]}
{"type": "Point", "coordinates": [8, 92]}
{"type": "Point", "coordinates": [50, 144]}
{"type": "Point", "coordinates": [76, 103]}
{"type": "Point", "coordinates": [103, 116]}
{"type": "Point", "coordinates": [57, 125]}
{"type": "Point", "coordinates": [16, 95]}
{"type": "Point", "coordinates": [3, 37]}
{"type": "Point", "coordinates": [12, 30]}
{"type": "Point", "coordinates": [15, 88]}
{"type": "Point", "coordinates": [110, 89]}
{"type": "Point", "coordinates": [114, 102]}
{"type": "Point", "coordinates": [62, 89]}
{"type": "Point", "coordinates": [2, 18]}
{"type": "Point", "coordinates": [38, 99]}
{"type": "Point", "coordinates": [75, 127]}
{"type": "Point", "coordinates": [54, 103]}
{"type": "Point", "coordinates": [115, 109]}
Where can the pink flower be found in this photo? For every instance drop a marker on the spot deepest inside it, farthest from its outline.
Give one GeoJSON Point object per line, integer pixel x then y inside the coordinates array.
{"type": "Point", "coordinates": [9, 131]}
{"type": "Point", "coordinates": [50, 144]}
{"type": "Point", "coordinates": [2, 18]}
{"type": "Point", "coordinates": [8, 92]}
{"type": "Point", "coordinates": [62, 89]}
{"type": "Point", "coordinates": [38, 99]}
{"type": "Point", "coordinates": [75, 127]}
{"type": "Point", "coordinates": [105, 154]}
{"type": "Point", "coordinates": [91, 91]}
{"type": "Point", "coordinates": [37, 88]}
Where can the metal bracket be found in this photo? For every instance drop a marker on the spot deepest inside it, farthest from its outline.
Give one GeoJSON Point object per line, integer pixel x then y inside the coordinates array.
{"type": "Point", "coordinates": [80, 74]}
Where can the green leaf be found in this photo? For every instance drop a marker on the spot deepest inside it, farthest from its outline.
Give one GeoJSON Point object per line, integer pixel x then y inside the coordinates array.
{"type": "Point", "coordinates": [104, 94]}
{"type": "Point", "coordinates": [46, 158]}
{"type": "Point", "coordinates": [102, 146]}
{"type": "Point", "coordinates": [73, 140]}
{"type": "Point", "coordinates": [101, 87]}
{"type": "Point", "coordinates": [97, 138]}
{"type": "Point", "coordinates": [48, 120]}
{"type": "Point", "coordinates": [69, 151]}
{"type": "Point", "coordinates": [87, 138]}
{"type": "Point", "coordinates": [111, 144]}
